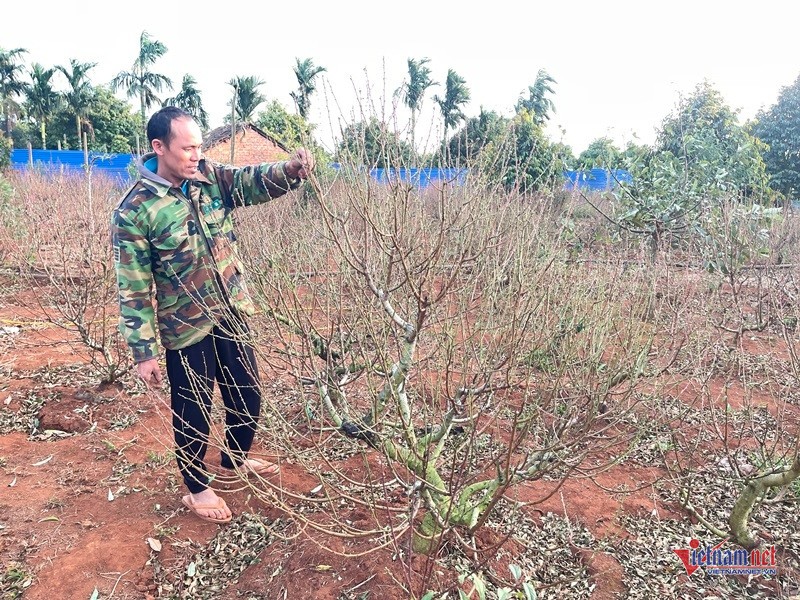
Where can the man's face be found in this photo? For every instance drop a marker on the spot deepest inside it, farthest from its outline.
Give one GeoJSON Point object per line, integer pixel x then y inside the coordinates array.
{"type": "Point", "coordinates": [178, 160]}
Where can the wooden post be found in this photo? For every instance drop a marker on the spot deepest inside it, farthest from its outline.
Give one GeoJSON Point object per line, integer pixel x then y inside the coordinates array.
{"type": "Point", "coordinates": [58, 145]}
{"type": "Point", "coordinates": [85, 151]}
{"type": "Point", "coordinates": [233, 120]}
{"type": "Point", "coordinates": [30, 154]}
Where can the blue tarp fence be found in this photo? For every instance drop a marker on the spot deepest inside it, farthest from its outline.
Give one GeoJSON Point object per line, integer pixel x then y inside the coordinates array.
{"type": "Point", "coordinates": [117, 165]}
{"type": "Point", "coordinates": [421, 178]}
{"type": "Point", "coordinates": [72, 161]}
{"type": "Point", "coordinates": [596, 180]}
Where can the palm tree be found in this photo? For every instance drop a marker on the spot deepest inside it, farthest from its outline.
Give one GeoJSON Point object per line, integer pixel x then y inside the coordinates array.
{"type": "Point", "coordinates": [413, 90]}
{"type": "Point", "coordinates": [456, 94]}
{"type": "Point", "coordinates": [10, 83]}
{"type": "Point", "coordinates": [537, 103]}
{"type": "Point", "coordinates": [80, 95]}
{"type": "Point", "coordinates": [41, 99]}
{"type": "Point", "coordinates": [306, 72]}
{"type": "Point", "coordinates": [248, 98]}
{"type": "Point", "coordinates": [140, 81]}
{"type": "Point", "coordinates": [188, 98]}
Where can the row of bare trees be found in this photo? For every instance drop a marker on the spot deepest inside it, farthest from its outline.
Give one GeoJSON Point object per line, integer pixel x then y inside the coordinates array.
{"type": "Point", "coordinates": [442, 346]}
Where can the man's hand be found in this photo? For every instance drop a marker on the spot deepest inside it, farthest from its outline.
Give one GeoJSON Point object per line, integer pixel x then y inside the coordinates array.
{"type": "Point", "coordinates": [300, 165]}
{"type": "Point", "coordinates": [149, 372]}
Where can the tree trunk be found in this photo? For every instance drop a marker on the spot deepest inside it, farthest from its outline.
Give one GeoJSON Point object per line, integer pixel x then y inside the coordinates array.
{"type": "Point", "coordinates": [425, 538]}
{"type": "Point", "coordinates": [755, 489]}
{"type": "Point", "coordinates": [7, 110]}
{"type": "Point", "coordinates": [142, 109]}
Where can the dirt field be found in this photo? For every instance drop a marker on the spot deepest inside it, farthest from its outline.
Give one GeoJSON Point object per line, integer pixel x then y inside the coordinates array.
{"type": "Point", "coordinates": [651, 457]}
{"type": "Point", "coordinates": [90, 506]}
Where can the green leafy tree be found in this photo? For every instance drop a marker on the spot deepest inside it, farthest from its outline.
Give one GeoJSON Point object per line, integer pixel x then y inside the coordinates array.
{"type": "Point", "coordinates": [79, 96]}
{"type": "Point", "coordinates": [292, 130]}
{"type": "Point", "coordinates": [719, 157]}
{"type": "Point", "coordinates": [248, 97]}
{"type": "Point", "coordinates": [564, 155]}
{"type": "Point", "coordinates": [488, 127]}
{"type": "Point", "coordinates": [116, 125]}
{"type": "Point", "coordinates": [140, 82]}
{"type": "Point", "coordinates": [537, 103]}
{"type": "Point", "coordinates": [456, 95]}
{"type": "Point", "coordinates": [702, 157]}
{"type": "Point", "coordinates": [601, 153]}
{"type": "Point", "coordinates": [41, 98]}
{"type": "Point", "coordinates": [413, 90]}
{"type": "Point", "coordinates": [25, 132]}
{"type": "Point", "coordinates": [189, 99]}
{"type": "Point", "coordinates": [5, 152]}
{"type": "Point", "coordinates": [522, 158]}
{"type": "Point", "coordinates": [11, 85]}
{"type": "Point", "coordinates": [373, 144]}
{"type": "Point", "coordinates": [534, 165]}
{"type": "Point", "coordinates": [779, 128]}
{"type": "Point", "coordinates": [306, 72]}
{"type": "Point", "coordinates": [635, 156]}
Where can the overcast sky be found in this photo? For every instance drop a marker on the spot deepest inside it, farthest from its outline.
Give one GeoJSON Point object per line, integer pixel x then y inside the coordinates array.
{"type": "Point", "coordinates": [620, 66]}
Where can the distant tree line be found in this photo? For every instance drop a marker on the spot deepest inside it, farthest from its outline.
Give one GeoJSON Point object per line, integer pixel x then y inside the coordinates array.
{"type": "Point", "coordinates": [701, 146]}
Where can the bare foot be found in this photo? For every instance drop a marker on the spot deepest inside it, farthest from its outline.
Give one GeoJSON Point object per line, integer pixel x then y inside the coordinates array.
{"type": "Point", "coordinates": [208, 506]}
{"type": "Point", "coordinates": [258, 467]}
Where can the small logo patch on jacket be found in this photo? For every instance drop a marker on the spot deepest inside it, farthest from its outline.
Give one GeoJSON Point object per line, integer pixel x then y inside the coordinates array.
{"type": "Point", "coordinates": [215, 204]}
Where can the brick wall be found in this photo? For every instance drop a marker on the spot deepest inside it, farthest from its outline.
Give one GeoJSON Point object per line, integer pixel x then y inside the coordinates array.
{"type": "Point", "coordinates": [251, 148]}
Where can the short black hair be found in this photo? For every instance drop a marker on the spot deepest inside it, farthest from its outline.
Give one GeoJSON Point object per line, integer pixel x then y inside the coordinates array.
{"type": "Point", "coordinates": [159, 127]}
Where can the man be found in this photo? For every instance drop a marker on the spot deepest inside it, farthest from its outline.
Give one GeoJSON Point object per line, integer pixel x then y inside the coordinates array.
{"type": "Point", "coordinates": [174, 229]}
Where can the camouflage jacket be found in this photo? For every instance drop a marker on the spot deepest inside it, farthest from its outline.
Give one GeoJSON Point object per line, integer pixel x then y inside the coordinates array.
{"type": "Point", "coordinates": [182, 241]}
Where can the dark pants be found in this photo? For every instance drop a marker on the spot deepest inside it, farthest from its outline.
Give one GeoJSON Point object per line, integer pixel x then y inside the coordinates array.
{"type": "Point", "coordinates": [192, 372]}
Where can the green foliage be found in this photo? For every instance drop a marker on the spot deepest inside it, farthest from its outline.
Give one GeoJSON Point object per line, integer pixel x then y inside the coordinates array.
{"type": "Point", "coordinates": [733, 234]}
{"type": "Point", "coordinates": [702, 157]}
{"type": "Point", "coordinates": [305, 72]}
{"type": "Point", "coordinates": [291, 130]}
{"type": "Point", "coordinates": [373, 145]}
{"type": "Point", "coordinates": [110, 123]}
{"type": "Point", "coordinates": [190, 100]}
{"type": "Point", "coordinates": [719, 157]}
{"type": "Point", "coordinates": [456, 95]}
{"type": "Point", "coordinates": [41, 99]}
{"type": "Point", "coordinates": [635, 156]}
{"type": "Point", "coordinates": [779, 129]}
{"type": "Point", "coordinates": [413, 90]}
{"type": "Point", "coordinates": [475, 135]}
{"type": "Point", "coordinates": [537, 103]}
{"type": "Point", "coordinates": [14, 580]}
{"type": "Point", "coordinates": [78, 97]}
{"type": "Point", "coordinates": [6, 197]}
{"type": "Point", "coordinates": [140, 82]}
{"type": "Point", "coordinates": [5, 153]}
{"type": "Point", "coordinates": [248, 98]}
{"type": "Point", "coordinates": [656, 197]}
{"type": "Point", "coordinates": [601, 153]}
{"type": "Point", "coordinates": [23, 134]}
{"type": "Point", "coordinates": [115, 125]}
{"type": "Point", "coordinates": [11, 86]}
{"type": "Point", "coordinates": [62, 129]}
{"type": "Point", "coordinates": [525, 159]}
{"type": "Point", "coordinates": [564, 155]}
{"type": "Point", "coordinates": [419, 80]}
